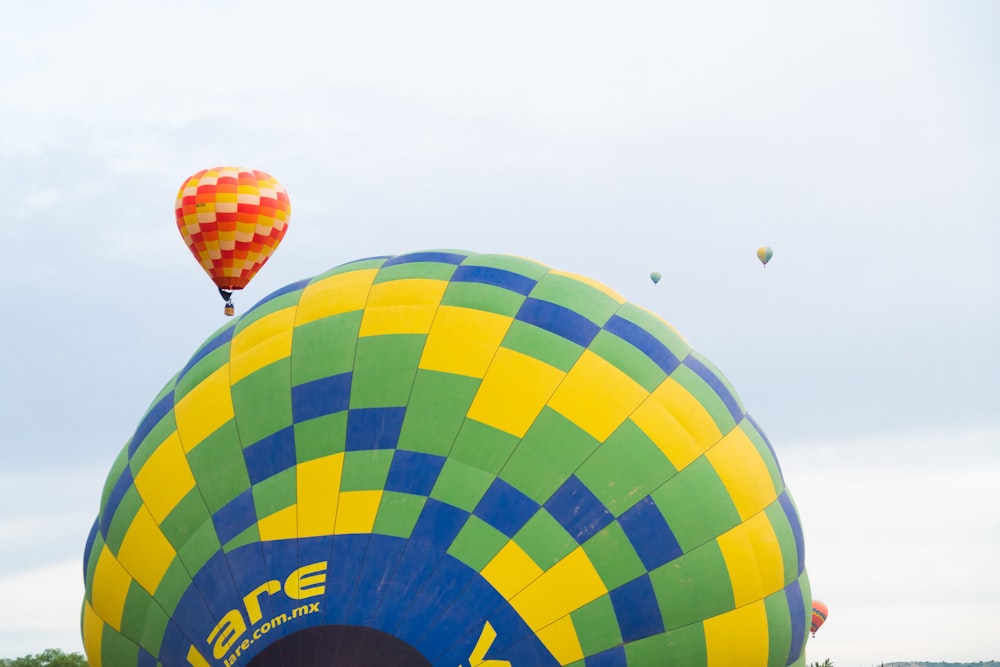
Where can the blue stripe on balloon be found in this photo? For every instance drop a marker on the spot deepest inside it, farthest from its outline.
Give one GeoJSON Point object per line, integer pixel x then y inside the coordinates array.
{"type": "Point", "coordinates": [559, 320]}
{"type": "Point", "coordinates": [706, 374]}
{"type": "Point", "coordinates": [271, 455]}
{"type": "Point", "coordinates": [612, 657]}
{"type": "Point", "coordinates": [413, 472]}
{"type": "Point", "coordinates": [235, 516]}
{"type": "Point", "coordinates": [374, 428]}
{"type": "Point", "coordinates": [429, 256]}
{"type": "Point", "coordinates": [578, 510]}
{"type": "Point", "coordinates": [650, 535]}
{"type": "Point", "coordinates": [637, 609]}
{"type": "Point", "coordinates": [488, 275]}
{"type": "Point", "coordinates": [321, 397]}
{"type": "Point", "coordinates": [122, 485]}
{"type": "Point", "coordinates": [505, 508]}
{"type": "Point", "coordinates": [91, 538]}
{"type": "Point", "coordinates": [797, 610]}
{"type": "Point", "coordinates": [644, 341]}
{"type": "Point", "coordinates": [150, 420]}
{"type": "Point", "coordinates": [793, 521]}
{"type": "Point", "coordinates": [222, 338]}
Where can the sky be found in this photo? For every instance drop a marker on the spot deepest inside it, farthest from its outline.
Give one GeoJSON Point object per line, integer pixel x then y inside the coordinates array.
{"type": "Point", "coordinates": [858, 139]}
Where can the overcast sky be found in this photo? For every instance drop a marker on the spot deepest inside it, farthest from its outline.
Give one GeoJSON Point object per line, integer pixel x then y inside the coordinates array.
{"type": "Point", "coordinates": [859, 139]}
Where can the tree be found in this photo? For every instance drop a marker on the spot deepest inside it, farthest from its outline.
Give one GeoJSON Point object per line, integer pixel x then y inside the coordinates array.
{"type": "Point", "coordinates": [825, 663]}
{"type": "Point", "coordinates": [52, 657]}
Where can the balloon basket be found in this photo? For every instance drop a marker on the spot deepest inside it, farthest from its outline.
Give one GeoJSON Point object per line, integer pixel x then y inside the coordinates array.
{"type": "Point", "coordinates": [229, 311]}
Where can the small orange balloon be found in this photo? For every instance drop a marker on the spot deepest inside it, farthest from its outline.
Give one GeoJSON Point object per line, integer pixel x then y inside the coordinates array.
{"type": "Point", "coordinates": [232, 219]}
{"type": "Point", "coordinates": [819, 613]}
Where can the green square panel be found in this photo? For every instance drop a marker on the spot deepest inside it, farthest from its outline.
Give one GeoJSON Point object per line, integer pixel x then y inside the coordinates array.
{"type": "Point", "coordinates": [543, 345]}
{"type": "Point", "coordinates": [398, 513]}
{"type": "Point", "coordinates": [201, 546]}
{"type": "Point", "coordinates": [477, 543]}
{"type": "Point", "coordinates": [116, 650]}
{"type": "Point", "coordinates": [325, 347]}
{"type": "Point", "coordinates": [596, 626]}
{"type": "Point", "coordinates": [262, 310]}
{"type": "Point", "coordinates": [705, 395]}
{"type": "Point", "coordinates": [95, 554]}
{"type": "Point", "coordinates": [275, 493]}
{"type": "Point", "coordinates": [627, 454]}
{"type": "Point", "coordinates": [122, 519]}
{"type": "Point", "coordinates": [779, 629]}
{"type": "Point", "coordinates": [693, 587]}
{"type": "Point", "coordinates": [696, 505]}
{"type": "Point", "coordinates": [172, 587]}
{"type": "Point", "coordinates": [205, 366]}
{"type": "Point", "coordinates": [436, 410]}
{"type": "Point", "coordinates": [576, 295]}
{"type": "Point", "coordinates": [483, 446]}
{"type": "Point", "coordinates": [137, 603]}
{"type": "Point", "coordinates": [656, 326]}
{"type": "Point", "coordinates": [185, 519]}
{"type": "Point", "coordinates": [683, 646]}
{"type": "Point", "coordinates": [385, 369]}
{"type": "Point", "coordinates": [613, 556]}
{"type": "Point", "coordinates": [544, 540]}
{"type": "Point", "coordinates": [407, 270]}
{"type": "Point", "coordinates": [218, 466]}
{"type": "Point", "coordinates": [262, 402]}
{"type": "Point", "coordinates": [479, 296]}
{"type": "Point", "coordinates": [319, 437]}
{"type": "Point", "coordinates": [628, 358]}
{"type": "Point", "coordinates": [461, 485]}
{"type": "Point", "coordinates": [551, 450]}
{"type": "Point", "coordinates": [366, 470]}
{"type": "Point", "coordinates": [153, 628]}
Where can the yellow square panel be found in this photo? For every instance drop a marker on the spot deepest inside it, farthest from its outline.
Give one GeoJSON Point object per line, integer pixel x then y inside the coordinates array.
{"type": "Point", "coordinates": [93, 630]}
{"type": "Point", "coordinates": [561, 640]}
{"type": "Point", "coordinates": [678, 424]}
{"type": "Point", "coordinates": [513, 392]}
{"type": "Point", "coordinates": [261, 343]}
{"type": "Point", "coordinates": [753, 558]}
{"type": "Point", "coordinates": [356, 511]}
{"type": "Point", "coordinates": [402, 306]}
{"type": "Point", "coordinates": [204, 409]}
{"type": "Point", "coordinates": [317, 484]}
{"type": "Point", "coordinates": [146, 553]}
{"type": "Point", "coordinates": [341, 293]}
{"type": "Point", "coordinates": [743, 472]}
{"type": "Point", "coordinates": [278, 526]}
{"type": "Point", "coordinates": [596, 396]}
{"type": "Point", "coordinates": [165, 478]}
{"type": "Point", "coordinates": [110, 588]}
{"type": "Point", "coordinates": [463, 341]}
{"type": "Point", "coordinates": [510, 570]}
{"type": "Point", "coordinates": [737, 638]}
{"type": "Point", "coordinates": [563, 588]}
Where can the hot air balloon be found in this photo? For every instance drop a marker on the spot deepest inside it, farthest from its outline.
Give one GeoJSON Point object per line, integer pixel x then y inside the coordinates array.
{"type": "Point", "coordinates": [445, 458]}
{"type": "Point", "coordinates": [232, 219]}
{"type": "Point", "coordinates": [819, 614]}
{"type": "Point", "coordinates": [655, 277]}
{"type": "Point", "coordinates": [764, 254]}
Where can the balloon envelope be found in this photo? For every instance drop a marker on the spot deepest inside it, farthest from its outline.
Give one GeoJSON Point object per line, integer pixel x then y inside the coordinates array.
{"type": "Point", "coordinates": [764, 254]}
{"type": "Point", "coordinates": [445, 458]}
{"type": "Point", "coordinates": [655, 277]}
{"type": "Point", "coordinates": [819, 613]}
{"type": "Point", "coordinates": [232, 219]}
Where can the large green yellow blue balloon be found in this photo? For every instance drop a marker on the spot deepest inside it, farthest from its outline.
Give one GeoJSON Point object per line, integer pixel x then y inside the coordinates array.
{"type": "Point", "coordinates": [446, 458]}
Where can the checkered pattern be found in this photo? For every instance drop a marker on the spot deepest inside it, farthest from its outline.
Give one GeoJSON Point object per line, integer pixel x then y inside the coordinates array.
{"type": "Point", "coordinates": [232, 219]}
{"type": "Point", "coordinates": [466, 438]}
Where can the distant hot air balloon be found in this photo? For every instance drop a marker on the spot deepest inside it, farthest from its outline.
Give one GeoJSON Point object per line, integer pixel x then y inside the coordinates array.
{"type": "Point", "coordinates": [818, 616]}
{"type": "Point", "coordinates": [655, 277]}
{"type": "Point", "coordinates": [232, 219]}
{"type": "Point", "coordinates": [764, 254]}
